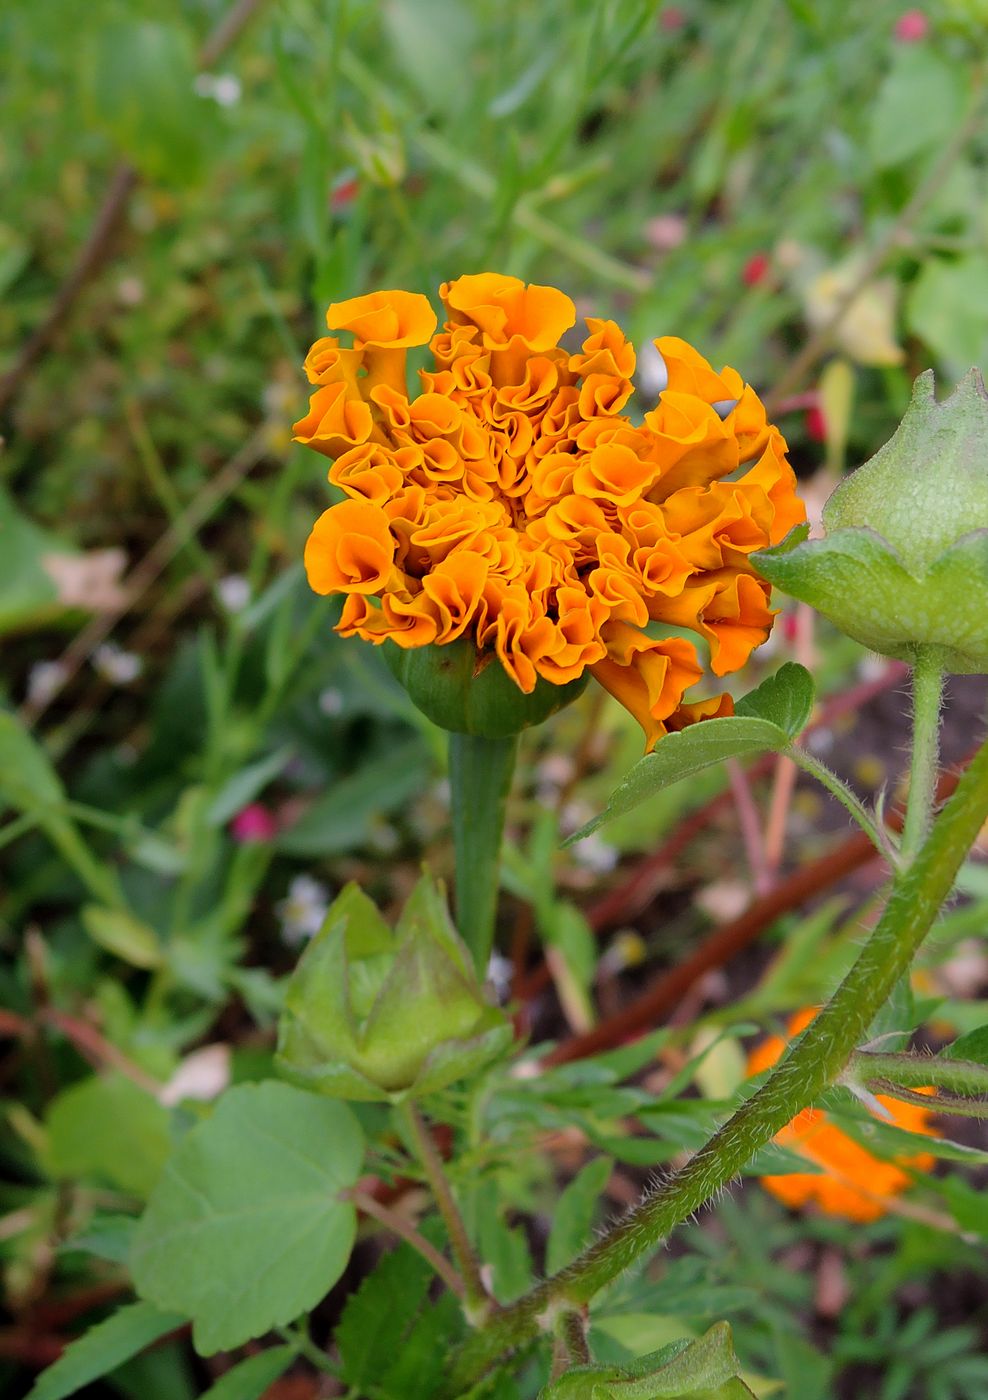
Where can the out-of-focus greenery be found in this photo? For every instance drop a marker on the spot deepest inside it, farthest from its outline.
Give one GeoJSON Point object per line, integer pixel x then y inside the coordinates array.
{"type": "Point", "coordinates": [717, 170]}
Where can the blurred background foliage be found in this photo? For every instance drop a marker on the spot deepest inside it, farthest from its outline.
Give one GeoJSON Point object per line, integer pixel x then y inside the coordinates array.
{"type": "Point", "coordinates": [800, 189]}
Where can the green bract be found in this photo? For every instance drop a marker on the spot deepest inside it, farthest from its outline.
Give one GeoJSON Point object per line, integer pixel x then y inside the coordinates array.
{"type": "Point", "coordinates": [376, 1013]}
{"type": "Point", "coordinates": [469, 692]}
{"type": "Point", "coordinates": [903, 564]}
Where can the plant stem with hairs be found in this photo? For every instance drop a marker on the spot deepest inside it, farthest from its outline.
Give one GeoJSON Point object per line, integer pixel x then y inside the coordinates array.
{"type": "Point", "coordinates": [816, 1060]}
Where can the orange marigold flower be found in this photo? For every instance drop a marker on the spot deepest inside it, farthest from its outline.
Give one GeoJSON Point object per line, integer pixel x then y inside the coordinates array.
{"type": "Point", "coordinates": [850, 1182]}
{"type": "Point", "coordinates": [510, 500]}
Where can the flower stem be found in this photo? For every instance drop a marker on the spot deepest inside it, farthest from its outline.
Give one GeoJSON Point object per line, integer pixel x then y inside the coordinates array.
{"type": "Point", "coordinates": [814, 1061]}
{"type": "Point", "coordinates": [476, 1301]}
{"type": "Point", "coordinates": [927, 697]}
{"type": "Point", "coordinates": [848, 799]}
{"type": "Point", "coordinates": [480, 772]}
{"type": "Point", "coordinates": [392, 1221]}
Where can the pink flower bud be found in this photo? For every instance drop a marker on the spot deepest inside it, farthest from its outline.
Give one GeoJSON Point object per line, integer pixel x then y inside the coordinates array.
{"type": "Point", "coordinates": [254, 823]}
{"type": "Point", "coordinates": [912, 27]}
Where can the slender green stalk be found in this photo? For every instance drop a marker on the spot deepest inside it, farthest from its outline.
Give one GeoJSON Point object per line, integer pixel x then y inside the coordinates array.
{"type": "Point", "coordinates": [814, 1061]}
{"type": "Point", "coordinates": [927, 698]}
{"type": "Point", "coordinates": [476, 1301]}
{"type": "Point", "coordinates": [844, 795]}
{"type": "Point", "coordinates": [480, 772]}
{"type": "Point", "coordinates": [917, 1071]}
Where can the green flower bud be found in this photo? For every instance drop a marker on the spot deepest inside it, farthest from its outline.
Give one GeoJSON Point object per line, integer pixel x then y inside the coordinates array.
{"type": "Point", "coordinates": [376, 1013]}
{"type": "Point", "coordinates": [903, 564]}
{"type": "Point", "coordinates": [469, 692]}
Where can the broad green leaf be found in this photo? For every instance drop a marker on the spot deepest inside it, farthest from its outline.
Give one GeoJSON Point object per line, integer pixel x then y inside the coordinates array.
{"type": "Point", "coordinates": [109, 1128]}
{"type": "Point", "coordinates": [376, 1317]}
{"type": "Point", "coordinates": [123, 935]}
{"type": "Point", "coordinates": [573, 1216]}
{"type": "Point", "coordinates": [103, 1348]}
{"type": "Point", "coordinates": [973, 1046]}
{"type": "Point", "coordinates": [249, 1379]}
{"type": "Point", "coordinates": [920, 80]}
{"type": "Point", "coordinates": [785, 699]}
{"type": "Point", "coordinates": [246, 1229]}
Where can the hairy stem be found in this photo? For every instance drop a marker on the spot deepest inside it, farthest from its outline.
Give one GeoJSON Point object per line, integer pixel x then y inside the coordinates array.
{"type": "Point", "coordinates": [480, 772]}
{"type": "Point", "coordinates": [814, 1061]}
{"type": "Point", "coordinates": [848, 799]}
{"type": "Point", "coordinates": [927, 698]}
{"type": "Point", "coordinates": [958, 1076]}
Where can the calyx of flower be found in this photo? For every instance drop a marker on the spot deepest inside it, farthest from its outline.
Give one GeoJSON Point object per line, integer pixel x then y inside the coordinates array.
{"type": "Point", "coordinates": [469, 692]}
{"type": "Point", "coordinates": [903, 563]}
{"type": "Point", "coordinates": [373, 1013]}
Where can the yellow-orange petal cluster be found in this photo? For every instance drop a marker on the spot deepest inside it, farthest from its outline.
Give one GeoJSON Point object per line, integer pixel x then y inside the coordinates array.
{"type": "Point", "coordinates": [849, 1181]}
{"type": "Point", "coordinates": [511, 500]}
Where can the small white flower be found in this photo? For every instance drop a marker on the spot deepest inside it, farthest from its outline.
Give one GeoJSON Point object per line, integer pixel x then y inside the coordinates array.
{"type": "Point", "coordinates": [303, 909]}
{"type": "Point", "coordinates": [234, 591]}
{"type": "Point", "coordinates": [499, 973]}
{"type": "Point", "coordinates": [45, 680]}
{"type": "Point", "coordinates": [115, 665]}
{"type": "Point", "coordinates": [595, 854]}
{"type": "Point", "coordinates": [226, 89]}
{"type": "Point", "coordinates": [130, 291]}
{"type": "Point", "coordinates": [331, 701]}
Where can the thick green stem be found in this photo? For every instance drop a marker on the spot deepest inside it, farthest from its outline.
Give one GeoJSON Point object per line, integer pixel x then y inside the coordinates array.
{"type": "Point", "coordinates": [927, 697]}
{"type": "Point", "coordinates": [480, 772]}
{"type": "Point", "coordinates": [814, 1061]}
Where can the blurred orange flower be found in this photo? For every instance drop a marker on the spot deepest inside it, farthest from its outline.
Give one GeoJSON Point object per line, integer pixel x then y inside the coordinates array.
{"type": "Point", "coordinates": [512, 501]}
{"type": "Point", "coordinates": [849, 1181]}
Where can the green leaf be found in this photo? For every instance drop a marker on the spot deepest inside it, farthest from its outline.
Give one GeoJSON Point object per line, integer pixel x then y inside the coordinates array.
{"type": "Point", "coordinates": [28, 780]}
{"type": "Point", "coordinates": [249, 1379]}
{"type": "Point", "coordinates": [679, 756]}
{"type": "Point", "coordinates": [973, 1046]}
{"type": "Point", "coordinates": [28, 593]}
{"type": "Point", "coordinates": [244, 786]}
{"type": "Point", "coordinates": [785, 699]}
{"type": "Point", "coordinates": [123, 935]}
{"type": "Point", "coordinates": [573, 1217]}
{"type": "Point", "coordinates": [918, 81]}
{"type": "Point", "coordinates": [109, 1128]}
{"type": "Point", "coordinates": [103, 1348]}
{"type": "Point", "coordinates": [341, 819]}
{"type": "Point", "coordinates": [377, 1316]}
{"type": "Point", "coordinates": [246, 1231]}
{"type": "Point", "coordinates": [944, 308]}
{"type": "Point", "coordinates": [706, 1369]}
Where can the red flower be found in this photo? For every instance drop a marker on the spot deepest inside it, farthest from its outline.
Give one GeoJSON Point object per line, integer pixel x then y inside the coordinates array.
{"type": "Point", "coordinates": [755, 270]}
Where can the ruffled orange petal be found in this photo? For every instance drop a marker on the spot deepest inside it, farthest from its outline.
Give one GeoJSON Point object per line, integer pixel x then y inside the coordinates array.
{"type": "Point", "coordinates": [351, 549]}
